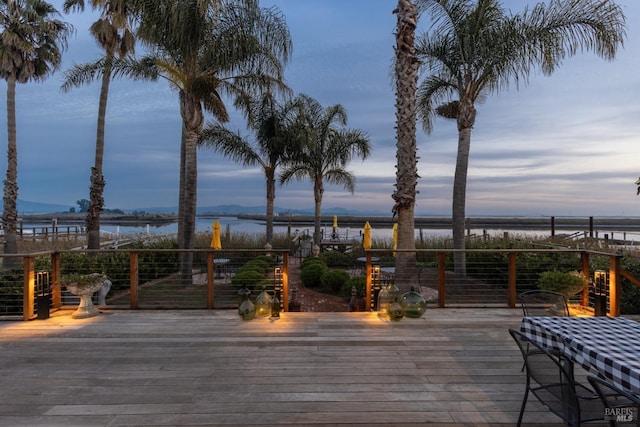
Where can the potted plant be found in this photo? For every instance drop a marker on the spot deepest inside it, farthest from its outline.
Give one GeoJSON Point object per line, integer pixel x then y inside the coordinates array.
{"type": "Point", "coordinates": [84, 286]}
{"type": "Point", "coordinates": [566, 283]}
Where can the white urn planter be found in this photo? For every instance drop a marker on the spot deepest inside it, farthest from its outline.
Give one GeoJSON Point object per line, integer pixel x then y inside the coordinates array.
{"type": "Point", "coordinates": [84, 286]}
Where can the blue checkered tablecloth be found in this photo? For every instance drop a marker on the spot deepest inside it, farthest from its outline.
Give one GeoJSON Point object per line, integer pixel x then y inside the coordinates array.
{"type": "Point", "coordinates": [604, 346]}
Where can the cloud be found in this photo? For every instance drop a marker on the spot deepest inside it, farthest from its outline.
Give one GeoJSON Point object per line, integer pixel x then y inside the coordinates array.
{"type": "Point", "coordinates": [561, 144]}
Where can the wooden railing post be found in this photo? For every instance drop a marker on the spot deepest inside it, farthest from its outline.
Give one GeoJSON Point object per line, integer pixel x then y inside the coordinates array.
{"type": "Point", "coordinates": [133, 280]}
{"type": "Point", "coordinates": [441, 279]}
{"type": "Point", "coordinates": [586, 272]}
{"type": "Point", "coordinates": [56, 292]}
{"type": "Point", "coordinates": [29, 295]}
{"type": "Point", "coordinates": [615, 285]}
{"type": "Point", "coordinates": [512, 279]}
{"type": "Point", "coordinates": [285, 281]}
{"type": "Point", "coordinates": [210, 283]}
{"type": "Point", "coordinates": [367, 292]}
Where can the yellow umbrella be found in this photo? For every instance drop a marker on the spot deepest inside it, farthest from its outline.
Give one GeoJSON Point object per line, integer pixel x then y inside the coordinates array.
{"type": "Point", "coordinates": [366, 241]}
{"type": "Point", "coordinates": [395, 238]}
{"type": "Point", "coordinates": [215, 240]}
{"type": "Point", "coordinates": [335, 221]}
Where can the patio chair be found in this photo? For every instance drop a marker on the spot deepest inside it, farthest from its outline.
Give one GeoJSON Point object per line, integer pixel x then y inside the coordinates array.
{"type": "Point", "coordinates": [622, 405]}
{"type": "Point", "coordinates": [552, 383]}
{"type": "Point", "coordinates": [539, 302]}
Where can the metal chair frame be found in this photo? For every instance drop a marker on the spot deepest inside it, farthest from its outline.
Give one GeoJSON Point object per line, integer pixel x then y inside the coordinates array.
{"type": "Point", "coordinates": [550, 379]}
{"type": "Point", "coordinates": [539, 302]}
{"type": "Point", "coordinates": [615, 399]}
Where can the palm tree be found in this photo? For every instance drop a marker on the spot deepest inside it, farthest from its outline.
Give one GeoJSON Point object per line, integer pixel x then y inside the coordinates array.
{"type": "Point", "coordinates": [477, 48]}
{"type": "Point", "coordinates": [268, 120]}
{"type": "Point", "coordinates": [31, 46]}
{"type": "Point", "coordinates": [406, 80]}
{"type": "Point", "coordinates": [207, 49]}
{"type": "Point", "coordinates": [325, 148]}
{"type": "Point", "coordinates": [113, 33]}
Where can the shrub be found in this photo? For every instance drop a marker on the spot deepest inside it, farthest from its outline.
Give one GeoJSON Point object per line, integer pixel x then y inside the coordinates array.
{"type": "Point", "coordinates": [337, 259]}
{"type": "Point", "coordinates": [256, 265]}
{"type": "Point", "coordinates": [630, 299]}
{"type": "Point", "coordinates": [311, 260]}
{"type": "Point", "coordinates": [334, 280]}
{"type": "Point", "coordinates": [566, 283]}
{"type": "Point", "coordinates": [11, 292]}
{"type": "Point", "coordinates": [80, 262]}
{"type": "Point", "coordinates": [360, 282]}
{"type": "Point", "coordinates": [269, 261]}
{"type": "Point", "coordinates": [311, 274]}
{"type": "Point", "coordinates": [247, 278]}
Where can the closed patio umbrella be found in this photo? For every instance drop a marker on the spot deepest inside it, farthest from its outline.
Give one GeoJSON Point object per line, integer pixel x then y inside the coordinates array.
{"type": "Point", "coordinates": [215, 240]}
{"type": "Point", "coordinates": [366, 241]}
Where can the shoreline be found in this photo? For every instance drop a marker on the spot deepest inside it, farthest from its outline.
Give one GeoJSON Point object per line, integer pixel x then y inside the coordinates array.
{"type": "Point", "coordinates": [63, 219]}
{"type": "Point", "coordinates": [522, 223]}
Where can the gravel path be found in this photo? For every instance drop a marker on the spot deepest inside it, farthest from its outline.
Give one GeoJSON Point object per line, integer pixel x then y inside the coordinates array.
{"type": "Point", "coordinates": [303, 299]}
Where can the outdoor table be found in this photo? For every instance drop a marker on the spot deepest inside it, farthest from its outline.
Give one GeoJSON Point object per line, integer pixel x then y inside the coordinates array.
{"type": "Point", "coordinates": [608, 347]}
{"type": "Point", "coordinates": [363, 259]}
{"type": "Point", "coordinates": [218, 264]}
{"type": "Point", "coordinates": [345, 246]}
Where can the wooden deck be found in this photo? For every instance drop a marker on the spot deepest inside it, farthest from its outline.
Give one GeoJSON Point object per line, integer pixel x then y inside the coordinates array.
{"type": "Point", "coordinates": [454, 367]}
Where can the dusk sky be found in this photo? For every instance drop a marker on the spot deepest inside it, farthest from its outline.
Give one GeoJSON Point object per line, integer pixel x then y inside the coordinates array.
{"type": "Point", "coordinates": [565, 144]}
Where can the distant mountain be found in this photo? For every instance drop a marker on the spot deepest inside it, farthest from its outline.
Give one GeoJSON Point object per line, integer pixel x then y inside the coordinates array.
{"type": "Point", "coordinates": [257, 210]}
{"type": "Point", "coordinates": [260, 210]}
{"type": "Point", "coordinates": [27, 207]}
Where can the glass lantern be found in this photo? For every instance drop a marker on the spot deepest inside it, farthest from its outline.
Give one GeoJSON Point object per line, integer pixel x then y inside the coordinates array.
{"type": "Point", "coordinates": [247, 309]}
{"type": "Point", "coordinates": [263, 303]}
{"type": "Point", "coordinates": [275, 305]}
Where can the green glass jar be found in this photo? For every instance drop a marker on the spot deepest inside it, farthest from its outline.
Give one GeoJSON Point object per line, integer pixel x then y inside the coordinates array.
{"type": "Point", "coordinates": [263, 303]}
{"type": "Point", "coordinates": [387, 295]}
{"type": "Point", "coordinates": [394, 292]}
{"type": "Point", "coordinates": [413, 304]}
{"type": "Point", "coordinates": [395, 311]}
{"type": "Point", "coordinates": [383, 301]}
{"type": "Point", "coordinates": [247, 309]}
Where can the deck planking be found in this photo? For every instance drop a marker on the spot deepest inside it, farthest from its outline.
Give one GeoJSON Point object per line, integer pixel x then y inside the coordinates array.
{"type": "Point", "coordinates": [453, 367]}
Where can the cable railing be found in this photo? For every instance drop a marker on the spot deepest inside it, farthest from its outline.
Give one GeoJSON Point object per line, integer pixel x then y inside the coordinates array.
{"type": "Point", "coordinates": [154, 279]}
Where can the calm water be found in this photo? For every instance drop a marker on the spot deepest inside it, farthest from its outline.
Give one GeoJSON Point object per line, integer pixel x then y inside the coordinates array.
{"type": "Point", "coordinates": [236, 225]}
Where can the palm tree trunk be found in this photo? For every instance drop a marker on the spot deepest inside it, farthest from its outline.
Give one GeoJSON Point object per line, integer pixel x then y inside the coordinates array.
{"type": "Point", "coordinates": [466, 119]}
{"type": "Point", "coordinates": [10, 196]}
{"type": "Point", "coordinates": [271, 196]}
{"type": "Point", "coordinates": [96, 189]}
{"type": "Point", "coordinates": [181, 189]}
{"type": "Point", "coordinates": [192, 122]}
{"type": "Point", "coordinates": [406, 69]}
{"type": "Point", "coordinates": [318, 191]}
{"type": "Point", "coordinates": [459, 201]}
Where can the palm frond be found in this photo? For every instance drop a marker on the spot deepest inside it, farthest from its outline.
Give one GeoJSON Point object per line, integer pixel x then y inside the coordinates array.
{"type": "Point", "coordinates": [83, 74]}
{"type": "Point", "coordinates": [230, 144]}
